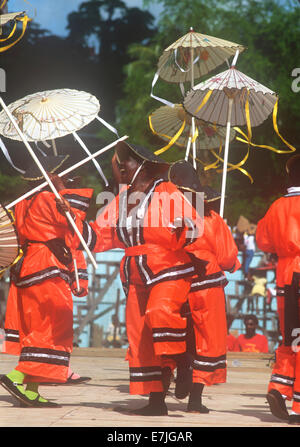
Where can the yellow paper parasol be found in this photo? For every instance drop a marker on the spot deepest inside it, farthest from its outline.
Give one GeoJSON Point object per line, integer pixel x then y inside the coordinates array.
{"type": "Point", "coordinates": [173, 124]}
{"type": "Point", "coordinates": [15, 17]}
{"type": "Point", "coordinates": [190, 57]}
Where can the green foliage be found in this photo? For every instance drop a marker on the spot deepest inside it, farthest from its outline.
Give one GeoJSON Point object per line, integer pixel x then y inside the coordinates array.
{"type": "Point", "coordinates": [270, 32]}
{"type": "Point", "coordinates": [120, 67]}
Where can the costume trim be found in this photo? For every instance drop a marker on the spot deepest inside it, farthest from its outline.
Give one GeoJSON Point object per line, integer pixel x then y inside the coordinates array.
{"type": "Point", "coordinates": [145, 374]}
{"type": "Point", "coordinates": [209, 364]}
{"type": "Point", "coordinates": [296, 396]}
{"type": "Point", "coordinates": [177, 272]}
{"type": "Point", "coordinates": [89, 236]}
{"type": "Point", "coordinates": [45, 355]}
{"type": "Point", "coordinates": [217, 279]}
{"type": "Point", "coordinates": [12, 335]}
{"type": "Point", "coordinates": [77, 201]}
{"type": "Point", "coordinates": [167, 334]}
{"type": "Point", "coordinates": [283, 380]}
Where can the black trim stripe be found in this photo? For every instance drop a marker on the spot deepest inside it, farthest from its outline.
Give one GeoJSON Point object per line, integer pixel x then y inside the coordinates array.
{"type": "Point", "coordinates": [280, 291]}
{"type": "Point", "coordinates": [43, 275]}
{"type": "Point", "coordinates": [296, 396]}
{"type": "Point", "coordinates": [209, 364]}
{"type": "Point", "coordinates": [126, 272]}
{"type": "Point", "coordinates": [283, 380]}
{"type": "Point", "coordinates": [217, 279]}
{"type": "Point", "coordinates": [167, 334]}
{"type": "Point", "coordinates": [149, 278]}
{"type": "Point", "coordinates": [89, 236]}
{"type": "Point", "coordinates": [82, 274]}
{"type": "Point", "coordinates": [77, 201]}
{"type": "Point", "coordinates": [145, 374]}
{"type": "Point", "coordinates": [12, 335]}
{"type": "Point", "coordinates": [44, 355]}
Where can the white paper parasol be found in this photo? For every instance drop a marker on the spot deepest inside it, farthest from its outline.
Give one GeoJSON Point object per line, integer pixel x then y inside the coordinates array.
{"type": "Point", "coordinates": [189, 58]}
{"type": "Point", "coordinates": [232, 99]}
{"type": "Point", "coordinates": [224, 86]}
{"type": "Point", "coordinates": [5, 18]}
{"type": "Point", "coordinates": [197, 53]}
{"type": "Point", "coordinates": [47, 178]}
{"type": "Point", "coordinates": [173, 124]}
{"type": "Point", "coordinates": [9, 244]}
{"type": "Point", "coordinates": [52, 114]}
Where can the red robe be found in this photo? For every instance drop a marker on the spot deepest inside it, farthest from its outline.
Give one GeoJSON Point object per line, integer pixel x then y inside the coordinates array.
{"type": "Point", "coordinates": [39, 312]}
{"type": "Point", "coordinates": [279, 232]}
{"type": "Point", "coordinates": [156, 272]}
{"type": "Point", "coordinates": [207, 299]}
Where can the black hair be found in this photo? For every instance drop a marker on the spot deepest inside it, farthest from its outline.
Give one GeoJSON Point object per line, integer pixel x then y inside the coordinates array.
{"type": "Point", "coordinates": [251, 317]}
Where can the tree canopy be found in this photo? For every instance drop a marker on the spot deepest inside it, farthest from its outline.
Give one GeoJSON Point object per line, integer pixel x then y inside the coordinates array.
{"type": "Point", "coordinates": [269, 30]}
{"type": "Point", "coordinates": [112, 51]}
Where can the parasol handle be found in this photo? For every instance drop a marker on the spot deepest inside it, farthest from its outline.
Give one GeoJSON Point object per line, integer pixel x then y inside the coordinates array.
{"type": "Point", "coordinates": [36, 160]}
{"type": "Point", "coordinates": [230, 102]}
{"type": "Point", "coordinates": [235, 58]}
{"type": "Point", "coordinates": [79, 140]}
{"type": "Point", "coordinates": [70, 169]}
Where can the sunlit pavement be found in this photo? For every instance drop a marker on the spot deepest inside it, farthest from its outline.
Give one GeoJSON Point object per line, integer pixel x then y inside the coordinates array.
{"type": "Point", "coordinates": [240, 402]}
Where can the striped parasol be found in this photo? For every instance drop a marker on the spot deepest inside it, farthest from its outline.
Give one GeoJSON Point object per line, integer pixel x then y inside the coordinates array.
{"type": "Point", "coordinates": [9, 244]}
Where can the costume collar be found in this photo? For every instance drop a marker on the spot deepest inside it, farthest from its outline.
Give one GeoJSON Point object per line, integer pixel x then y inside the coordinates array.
{"type": "Point", "coordinates": [293, 191]}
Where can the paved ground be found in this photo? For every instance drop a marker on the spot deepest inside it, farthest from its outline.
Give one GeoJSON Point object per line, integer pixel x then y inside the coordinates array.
{"type": "Point", "coordinates": [238, 403]}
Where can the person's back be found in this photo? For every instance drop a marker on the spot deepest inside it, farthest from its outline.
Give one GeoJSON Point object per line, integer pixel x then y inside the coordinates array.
{"type": "Point", "coordinates": [278, 232]}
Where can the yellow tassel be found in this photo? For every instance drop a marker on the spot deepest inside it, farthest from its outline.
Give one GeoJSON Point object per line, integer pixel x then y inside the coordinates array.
{"type": "Point", "coordinates": [172, 139]}
{"type": "Point", "coordinates": [25, 21]}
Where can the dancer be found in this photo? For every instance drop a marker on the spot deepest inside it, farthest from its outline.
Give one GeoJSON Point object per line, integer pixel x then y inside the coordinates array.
{"type": "Point", "coordinates": [156, 271]}
{"type": "Point", "coordinates": [206, 298]}
{"type": "Point", "coordinates": [279, 233]}
{"type": "Point", "coordinates": [41, 285]}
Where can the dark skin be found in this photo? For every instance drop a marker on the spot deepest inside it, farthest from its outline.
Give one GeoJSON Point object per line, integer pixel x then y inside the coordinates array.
{"type": "Point", "coordinates": [250, 328]}
{"type": "Point", "coordinates": [124, 170]}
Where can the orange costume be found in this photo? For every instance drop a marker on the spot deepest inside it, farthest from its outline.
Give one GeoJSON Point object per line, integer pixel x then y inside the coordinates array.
{"type": "Point", "coordinates": [39, 313]}
{"type": "Point", "coordinates": [207, 299]}
{"type": "Point", "coordinates": [279, 232]}
{"type": "Point", "coordinates": [155, 272]}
